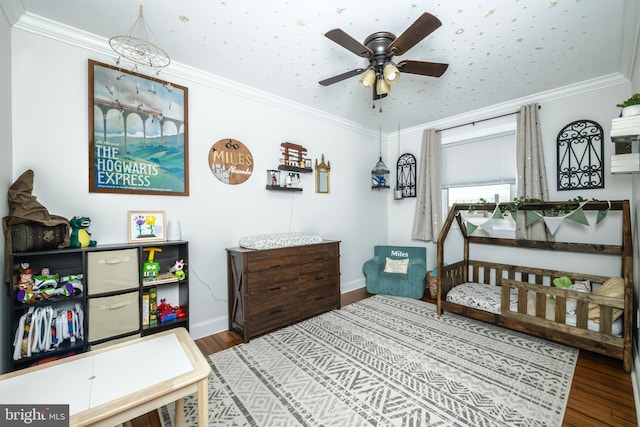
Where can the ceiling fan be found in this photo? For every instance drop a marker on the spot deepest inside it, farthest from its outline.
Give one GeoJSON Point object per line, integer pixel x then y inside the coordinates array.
{"type": "Point", "coordinates": [379, 48]}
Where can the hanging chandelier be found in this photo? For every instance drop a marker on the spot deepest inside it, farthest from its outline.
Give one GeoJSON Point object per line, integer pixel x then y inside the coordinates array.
{"type": "Point", "coordinates": [379, 180]}
{"type": "Point", "coordinates": [136, 46]}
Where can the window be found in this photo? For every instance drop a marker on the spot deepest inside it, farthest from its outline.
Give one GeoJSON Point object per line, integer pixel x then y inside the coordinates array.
{"type": "Point", "coordinates": [479, 168]}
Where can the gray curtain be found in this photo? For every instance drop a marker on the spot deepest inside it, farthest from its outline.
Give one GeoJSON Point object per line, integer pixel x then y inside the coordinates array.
{"type": "Point", "coordinates": [532, 175]}
{"type": "Point", "coordinates": [427, 217]}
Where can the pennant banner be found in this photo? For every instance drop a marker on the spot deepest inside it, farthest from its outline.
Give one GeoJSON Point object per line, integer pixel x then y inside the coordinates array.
{"type": "Point", "coordinates": [470, 228]}
{"type": "Point", "coordinates": [603, 213]}
{"type": "Point", "coordinates": [533, 217]}
{"type": "Point", "coordinates": [553, 223]}
{"type": "Point", "coordinates": [578, 216]}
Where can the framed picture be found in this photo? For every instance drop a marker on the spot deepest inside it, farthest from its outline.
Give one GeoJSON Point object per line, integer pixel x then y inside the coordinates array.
{"type": "Point", "coordinates": [138, 133]}
{"type": "Point", "coordinates": [147, 226]}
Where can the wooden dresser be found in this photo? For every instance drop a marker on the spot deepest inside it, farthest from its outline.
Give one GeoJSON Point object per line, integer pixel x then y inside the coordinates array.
{"type": "Point", "coordinates": [272, 288]}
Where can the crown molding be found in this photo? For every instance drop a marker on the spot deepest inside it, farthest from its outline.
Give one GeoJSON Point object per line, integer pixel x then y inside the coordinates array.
{"type": "Point", "coordinates": [514, 105]}
{"type": "Point", "coordinates": [99, 45]}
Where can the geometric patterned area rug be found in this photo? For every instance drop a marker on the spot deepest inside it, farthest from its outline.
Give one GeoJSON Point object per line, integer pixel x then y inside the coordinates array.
{"type": "Point", "coordinates": [389, 361]}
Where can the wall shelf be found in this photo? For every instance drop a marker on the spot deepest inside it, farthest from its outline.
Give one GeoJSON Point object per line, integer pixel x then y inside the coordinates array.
{"type": "Point", "coordinates": [294, 169]}
{"type": "Point", "coordinates": [278, 188]}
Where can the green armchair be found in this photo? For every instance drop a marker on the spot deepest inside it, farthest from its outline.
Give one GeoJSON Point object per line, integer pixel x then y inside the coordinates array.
{"type": "Point", "coordinates": [405, 275]}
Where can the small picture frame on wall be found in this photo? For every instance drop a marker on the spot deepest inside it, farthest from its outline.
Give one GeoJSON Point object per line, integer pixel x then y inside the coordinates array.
{"type": "Point", "coordinates": [147, 226]}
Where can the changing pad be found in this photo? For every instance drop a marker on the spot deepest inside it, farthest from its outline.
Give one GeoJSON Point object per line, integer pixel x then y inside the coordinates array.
{"type": "Point", "coordinates": [488, 297]}
{"type": "Point", "coordinates": [278, 240]}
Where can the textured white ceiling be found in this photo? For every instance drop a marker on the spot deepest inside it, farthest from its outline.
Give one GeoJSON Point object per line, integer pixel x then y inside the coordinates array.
{"type": "Point", "coordinates": [498, 50]}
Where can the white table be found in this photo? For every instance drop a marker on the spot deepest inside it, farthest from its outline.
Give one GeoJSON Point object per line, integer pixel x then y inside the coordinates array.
{"type": "Point", "coordinates": [117, 383]}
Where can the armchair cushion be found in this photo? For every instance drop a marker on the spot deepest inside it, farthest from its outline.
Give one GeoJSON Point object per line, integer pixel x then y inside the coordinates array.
{"type": "Point", "coordinates": [383, 280]}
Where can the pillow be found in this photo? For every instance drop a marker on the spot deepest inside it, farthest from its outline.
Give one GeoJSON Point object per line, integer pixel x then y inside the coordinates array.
{"type": "Point", "coordinates": [578, 286]}
{"type": "Point", "coordinates": [614, 288]}
{"type": "Point", "coordinates": [396, 266]}
{"type": "Point", "coordinates": [581, 286]}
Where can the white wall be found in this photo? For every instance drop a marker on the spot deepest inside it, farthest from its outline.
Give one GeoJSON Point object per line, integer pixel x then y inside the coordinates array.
{"type": "Point", "coordinates": [50, 136]}
{"type": "Point", "coordinates": [5, 165]}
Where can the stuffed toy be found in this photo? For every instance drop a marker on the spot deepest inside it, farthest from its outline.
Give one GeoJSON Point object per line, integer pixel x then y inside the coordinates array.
{"type": "Point", "coordinates": [80, 237]}
{"type": "Point", "coordinates": [26, 293]}
{"type": "Point", "coordinates": [562, 282]}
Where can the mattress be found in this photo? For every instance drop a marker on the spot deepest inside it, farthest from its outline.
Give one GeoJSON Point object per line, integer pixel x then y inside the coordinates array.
{"type": "Point", "coordinates": [278, 240]}
{"type": "Point", "coordinates": [488, 298]}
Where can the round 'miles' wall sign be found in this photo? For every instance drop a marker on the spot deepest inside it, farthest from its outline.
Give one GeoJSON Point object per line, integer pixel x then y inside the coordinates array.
{"type": "Point", "coordinates": [230, 161]}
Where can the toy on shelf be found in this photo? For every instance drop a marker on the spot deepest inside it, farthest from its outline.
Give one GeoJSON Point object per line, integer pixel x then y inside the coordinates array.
{"type": "Point", "coordinates": [26, 293]}
{"type": "Point", "coordinates": [80, 237]}
{"type": "Point", "coordinates": [33, 287]}
{"type": "Point", "coordinates": [151, 268]}
{"type": "Point", "coordinates": [178, 270]}
{"type": "Point", "coordinates": [167, 312]}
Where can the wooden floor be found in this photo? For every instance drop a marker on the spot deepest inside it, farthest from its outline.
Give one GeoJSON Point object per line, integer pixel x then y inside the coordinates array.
{"type": "Point", "coordinates": [601, 392]}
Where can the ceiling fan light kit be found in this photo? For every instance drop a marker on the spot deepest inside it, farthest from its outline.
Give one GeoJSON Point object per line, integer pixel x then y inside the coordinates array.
{"type": "Point", "coordinates": [380, 48]}
{"type": "Point", "coordinates": [391, 73]}
{"type": "Point", "coordinates": [368, 78]}
{"type": "Point", "coordinates": [382, 87]}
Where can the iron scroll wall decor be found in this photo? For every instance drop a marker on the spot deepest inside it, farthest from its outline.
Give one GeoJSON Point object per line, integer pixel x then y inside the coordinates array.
{"type": "Point", "coordinates": [406, 175]}
{"type": "Point", "coordinates": [580, 156]}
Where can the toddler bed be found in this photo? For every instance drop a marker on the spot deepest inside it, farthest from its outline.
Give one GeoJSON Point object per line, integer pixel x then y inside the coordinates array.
{"type": "Point", "coordinates": [594, 313]}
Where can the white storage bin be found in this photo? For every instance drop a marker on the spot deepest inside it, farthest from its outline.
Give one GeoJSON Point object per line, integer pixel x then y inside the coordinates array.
{"type": "Point", "coordinates": [109, 271]}
{"type": "Point", "coordinates": [114, 315]}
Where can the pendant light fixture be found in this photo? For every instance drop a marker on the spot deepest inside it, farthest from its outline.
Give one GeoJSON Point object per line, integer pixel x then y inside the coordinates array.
{"type": "Point", "coordinates": [378, 178]}
{"type": "Point", "coordinates": [136, 47]}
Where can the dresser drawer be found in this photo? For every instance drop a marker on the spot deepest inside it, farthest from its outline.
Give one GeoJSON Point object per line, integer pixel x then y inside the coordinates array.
{"type": "Point", "coordinates": [270, 290]}
{"type": "Point", "coordinates": [317, 301]}
{"type": "Point", "coordinates": [109, 271]}
{"type": "Point", "coordinates": [311, 253]}
{"type": "Point", "coordinates": [257, 282]}
{"type": "Point", "coordinates": [326, 281]}
{"type": "Point", "coordinates": [271, 259]}
{"type": "Point", "coordinates": [318, 269]}
{"type": "Point", "coordinates": [114, 315]}
{"type": "Point", "coordinates": [269, 318]}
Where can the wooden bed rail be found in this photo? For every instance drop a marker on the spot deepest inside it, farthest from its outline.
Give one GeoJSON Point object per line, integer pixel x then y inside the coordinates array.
{"type": "Point", "coordinates": [559, 317]}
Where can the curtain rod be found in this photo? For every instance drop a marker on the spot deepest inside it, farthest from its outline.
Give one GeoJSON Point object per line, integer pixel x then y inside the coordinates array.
{"type": "Point", "coordinates": [482, 120]}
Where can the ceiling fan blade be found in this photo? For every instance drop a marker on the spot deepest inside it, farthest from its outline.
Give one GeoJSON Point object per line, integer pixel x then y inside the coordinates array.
{"type": "Point", "coordinates": [340, 77]}
{"type": "Point", "coordinates": [421, 28]}
{"type": "Point", "coordinates": [433, 69]}
{"type": "Point", "coordinates": [349, 43]}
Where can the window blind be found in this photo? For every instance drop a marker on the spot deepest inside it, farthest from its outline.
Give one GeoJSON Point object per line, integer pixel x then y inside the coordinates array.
{"type": "Point", "coordinates": [486, 160]}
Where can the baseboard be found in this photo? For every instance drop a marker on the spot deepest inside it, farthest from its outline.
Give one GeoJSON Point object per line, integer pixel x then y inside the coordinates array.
{"type": "Point", "coordinates": [209, 327]}
{"type": "Point", "coordinates": [634, 378]}
{"type": "Point", "coordinates": [352, 286]}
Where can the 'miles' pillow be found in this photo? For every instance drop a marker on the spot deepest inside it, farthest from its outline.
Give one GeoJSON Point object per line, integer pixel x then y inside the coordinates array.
{"type": "Point", "coordinates": [399, 266]}
{"type": "Point", "coordinates": [614, 288]}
